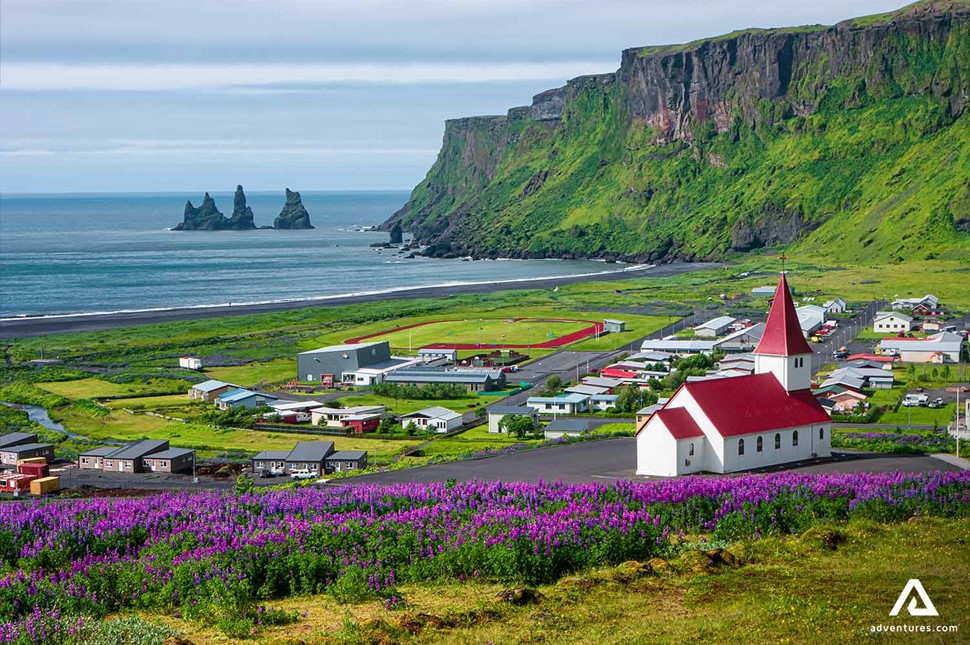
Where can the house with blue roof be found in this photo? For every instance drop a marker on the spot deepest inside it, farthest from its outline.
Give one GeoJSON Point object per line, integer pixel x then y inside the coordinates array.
{"type": "Point", "coordinates": [241, 398]}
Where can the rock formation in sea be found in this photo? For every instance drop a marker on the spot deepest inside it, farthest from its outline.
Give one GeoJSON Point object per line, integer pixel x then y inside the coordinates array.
{"type": "Point", "coordinates": [204, 218]}
{"type": "Point", "coordinates": [294, 214]}
{"type": "Point", "coordinates": [242, 215]}
{"type": "Point", "coordinates": [397, 234]}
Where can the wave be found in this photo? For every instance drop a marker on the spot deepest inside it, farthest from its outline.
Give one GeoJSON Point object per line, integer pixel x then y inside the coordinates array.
{"type": "Point", "coordinates": [321, 298]}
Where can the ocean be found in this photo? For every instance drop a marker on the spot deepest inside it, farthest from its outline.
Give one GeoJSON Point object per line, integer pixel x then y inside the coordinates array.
{"type": "Point", "coordinates": [94, 253]}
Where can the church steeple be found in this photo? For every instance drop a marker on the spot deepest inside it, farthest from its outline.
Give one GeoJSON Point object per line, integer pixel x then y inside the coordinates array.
{"type": "Point", "coordinates": [783, 350]}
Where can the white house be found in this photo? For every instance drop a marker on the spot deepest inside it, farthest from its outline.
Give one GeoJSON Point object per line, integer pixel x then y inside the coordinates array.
{"type": "Point", "coordinates": [836, 306]}
{"type": "Point", "coordinates": [929, 301]}
{"type": "Point", "coordinates": [334, 417]}
{"type": "Point", "coordinates": [603, 402]}
{"type": "Point", "coordinates": [498, 412]}
{"type": "Point", "coordinates": [562, 404]}
{"type": "Point", "coordinates": [435, 419]}
{"type": "Point", "coordinates": [732, 424]}
{"type": "Point", "coordinates": [891, 322]}
{"type": "Point", "coordinates": [943, 347]}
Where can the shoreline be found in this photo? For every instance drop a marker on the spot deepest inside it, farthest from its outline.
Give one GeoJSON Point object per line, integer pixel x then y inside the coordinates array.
{"type": "Point", "coordinates": [26, 326]}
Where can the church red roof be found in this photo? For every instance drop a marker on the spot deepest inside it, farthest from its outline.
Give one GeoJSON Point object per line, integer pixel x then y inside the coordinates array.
{"type": "Point", "coordinates": [679, 423]}
{"type": "Point", "coordinates": [783, 334]}
{"type": "Point", "coordinates": [756, 403]}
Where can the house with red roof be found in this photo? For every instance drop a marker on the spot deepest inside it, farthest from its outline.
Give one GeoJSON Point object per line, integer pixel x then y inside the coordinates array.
{"type": "Point", "coordinates": [763, 419]}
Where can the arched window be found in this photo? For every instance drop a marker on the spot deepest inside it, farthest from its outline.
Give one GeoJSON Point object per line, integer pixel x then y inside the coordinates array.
{"type": "Point", "coordinates": [740, 446]}
{"type": "Point", "coordinates": [777, 441]}
{"type": "Point", "coordinates": [794, 438]}
{"type": "Point", "coordinates": [821, 433]}
{"type": "Point", "coordinates": [691, 450]}
{"type": "Point", "coordinates": [760, 444]}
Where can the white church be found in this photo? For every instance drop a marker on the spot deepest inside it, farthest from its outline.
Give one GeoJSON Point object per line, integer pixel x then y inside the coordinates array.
{"type": "Point", "coordinates": [729, 424]}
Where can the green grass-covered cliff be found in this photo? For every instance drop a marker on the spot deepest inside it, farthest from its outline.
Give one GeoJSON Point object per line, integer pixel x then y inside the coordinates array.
{"type": "Point", "coordinates": [851, 140]}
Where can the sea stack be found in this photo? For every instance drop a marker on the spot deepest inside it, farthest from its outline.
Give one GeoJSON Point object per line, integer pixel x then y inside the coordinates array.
{"type": "Point", "coordinates": [242, 215]}
{"type": "Point", "coordinates": [293, 215]}
{"type": "Point", "coordinates": [204, 218]}
{"type": "Point", "coordinates": [397, 234]}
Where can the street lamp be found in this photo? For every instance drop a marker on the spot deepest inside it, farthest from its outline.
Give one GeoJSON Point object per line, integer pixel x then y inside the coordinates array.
{"type": "Point", "coordinates": [195, 479]}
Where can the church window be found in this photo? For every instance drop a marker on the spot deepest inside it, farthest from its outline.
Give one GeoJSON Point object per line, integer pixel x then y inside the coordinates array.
{"type": "Point", "coordinates": [740, 446]}
{"type": "Point", "coordinates": [691, 450]}
{"type": "Point", "coordinates": [777, 441]}
{"type": "Point", "coordinates": [794, 438]}
{"type": "Point", "coordinates": [821, 433]}
{"type": "Point", "coordinates": [760, 444]}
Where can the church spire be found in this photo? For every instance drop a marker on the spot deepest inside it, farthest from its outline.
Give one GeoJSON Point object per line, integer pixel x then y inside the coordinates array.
{"type": "Point", "coordinates": [783, 333]}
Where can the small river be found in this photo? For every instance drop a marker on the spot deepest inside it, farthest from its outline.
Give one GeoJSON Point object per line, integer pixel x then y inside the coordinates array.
{"type": "Point", "coordinates": [39, 415]}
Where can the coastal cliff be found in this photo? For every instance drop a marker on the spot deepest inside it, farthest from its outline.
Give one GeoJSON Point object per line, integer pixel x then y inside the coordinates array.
{"type": "Point", "coordinates": [847, 139]}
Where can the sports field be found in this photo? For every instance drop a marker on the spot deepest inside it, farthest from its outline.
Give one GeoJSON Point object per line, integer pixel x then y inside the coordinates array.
{"type": "Point", "coordinates": [473, 333]}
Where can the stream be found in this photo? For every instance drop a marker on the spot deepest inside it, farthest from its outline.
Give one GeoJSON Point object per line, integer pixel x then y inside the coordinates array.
{"type": "Point", "coordinates": [39, 415]}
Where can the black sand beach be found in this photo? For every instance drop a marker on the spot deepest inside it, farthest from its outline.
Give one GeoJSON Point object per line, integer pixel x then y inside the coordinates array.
{"type": "Point", "coordinates": [39, 325]}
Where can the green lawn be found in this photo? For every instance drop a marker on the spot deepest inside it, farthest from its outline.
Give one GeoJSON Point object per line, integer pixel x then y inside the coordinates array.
{"type": "Point", "coordinates": [477, 438]}
{"type": "Point", "coordinates": [920, 416]}
{"type": "Point", "coordinates": [164, 402]}
{"type": "Point", "coordinates": [615, 427]}
{"type": "Point", "coordinates": [636, 327]}
{"type": "Point", "coordinates": [256, 374]}
{"type": "Point", "coordinates": [92, 388]}
{"type": "Point", "coordinates": [487, 331]}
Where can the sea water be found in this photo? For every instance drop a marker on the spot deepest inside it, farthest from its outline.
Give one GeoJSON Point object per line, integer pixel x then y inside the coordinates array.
{"type": "Point", "coordinates": [88, 253]}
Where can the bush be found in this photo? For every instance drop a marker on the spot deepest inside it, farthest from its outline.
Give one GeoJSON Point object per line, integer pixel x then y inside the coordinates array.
{"type": "Point", "coordinates": [123, 631]}
{"type": "Point", "coordinates": [425, 392]}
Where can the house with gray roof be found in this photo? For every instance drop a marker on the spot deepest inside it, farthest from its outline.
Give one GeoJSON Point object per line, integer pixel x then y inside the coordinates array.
{"type": "Point", "coordinates": [10, 455]}
{"type": "Point", "coordinates": [940, 348]}
{"type": "Point", "coordinates": [309, 455]}
{"type": "Point", "coordinates": [562, 404]}
{"type": "Point", "coordinates": [210, 390]}
{"type": "Point", "coordinates": [473, 380]}
{"type": "Point", "coordinates": [567, 428]}
{"type": "Point", "coordinates": [15, 438]}
{"type": "Point", "coordinates": [344, 460]}
{"type": "Point", "coordinates": [714, 327]}
{"type": "Point", "coordinates": [93, 459]}
{"type": "Point", "coordinates": [173, 460]}
{"type": "Point", "coordinates": [271, 460]}
{"type": "Point", "coordinates": [128, 459]}
{"type": "Point", "coordinates": [435, 419]}
{"type": "Point", "coordinates": [498, 412]}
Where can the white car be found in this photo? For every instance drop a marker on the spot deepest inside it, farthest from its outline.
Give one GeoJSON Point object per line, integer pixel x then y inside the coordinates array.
{"type": "Point", "coordinates": [304, 474]}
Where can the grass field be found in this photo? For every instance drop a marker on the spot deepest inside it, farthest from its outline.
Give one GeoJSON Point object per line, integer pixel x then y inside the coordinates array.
{"type": "Point", "coordinates": [163, 402]}
{"type": "Point", "coordinates": [487, 331]}
{"type": "Point", "coordinates": [92, 388]}
{"type": "Point", "coordinates": [477, 438]}
{"type": "Point", "coordinates": [786, 590]}
{"type": "Point", "coordinates": [256, 374]}
{"type": "Point", "coordinates": [407, 406]}
{"type": "Point", "coordinates": [122, 426]}
{"type": "Point", "coordinates": [920, 416]}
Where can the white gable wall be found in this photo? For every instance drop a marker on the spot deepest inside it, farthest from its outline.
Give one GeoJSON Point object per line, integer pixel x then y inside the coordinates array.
{"type": "Point", "coordinates": [792, 375]}
{"type": "Point", "coordinates": [657, 453]}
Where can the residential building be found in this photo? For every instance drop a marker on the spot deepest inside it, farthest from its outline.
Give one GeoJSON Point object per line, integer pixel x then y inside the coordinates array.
{"type": "Point", "coordinates": [360, 423]}
{"type": "Point", "coordinates": [130, 458]}
{"type": "Point", "coordinates": [715, 327]}
{"type": "Point", "coordinates": [173, 460]}
{"type": "Point", "coordinates": [929, 302]}
{"type": "Point", "coordinates": [271, 460]}
{"type": "Point", "coordinates": [327, 365]}
{"type": "Point", "coordinates": [892, 322]}
{"type": "Point", "coordinates": [435, 419]}
{"type": "Point", "coordinates": [588, 390]}
{"type": "Point", "coordinates": [210, 390]}
{"type": "Point", "coordinates": [603, 402]}
{"type": "Point", "coordinates": [93, 459]}
{"type": "Point", "coordinates": [377, 372]}
{"type": "Point", "coordinates": [17, 438]}
{"type": "Point", "coordinates": [498, 412]}
{"type": "Point", "coordinates": [242, 398]}
{"type": "Point", "coordinates": [335, 417]}
{"type": "Point", "coordinates": [345, 460]}
{"type": "Point", "coordinates": [309, 455]}
{"type": "Point", "coordinates": [559, 428]}
{"type": "Point", "coordinates": [562, 404]}
{"type": "Point", "coordinates": [943, 347]}
{"type": "Point", "coordinates": [732, 424]}
{"type": "Point", "coordinates": [11, 454]}
{"type": "Point", "coordinates": [836, 306]}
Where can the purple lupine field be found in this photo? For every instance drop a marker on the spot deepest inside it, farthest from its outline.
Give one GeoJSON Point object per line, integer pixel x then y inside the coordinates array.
{"type": "Point", "coordinates": [64, 563]}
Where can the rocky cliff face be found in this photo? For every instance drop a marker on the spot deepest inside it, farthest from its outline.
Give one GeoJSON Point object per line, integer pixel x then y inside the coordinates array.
{"type": "Point", "coordinates": [294, 214]}
{"type": "Point", "coordinates": [696, 151]}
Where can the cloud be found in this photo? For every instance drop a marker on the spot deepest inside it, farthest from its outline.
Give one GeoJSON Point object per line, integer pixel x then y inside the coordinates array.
{"type": "Point", "coordinates": [140, 77]}
{"type": "Point", "coordinates": [195, 148]}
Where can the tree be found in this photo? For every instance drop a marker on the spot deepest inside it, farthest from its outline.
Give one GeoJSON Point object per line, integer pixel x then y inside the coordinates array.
{"type": "Point", "coordinates": [517, 425]}
{"type": "Point", "coordinates": [386, 426]}
{"type": "Point", "coordinates": [553, 385]}
{"type": "Point", "coordinates": [630, 398]}
{"type": "Point", "coordinates": [410, 429]}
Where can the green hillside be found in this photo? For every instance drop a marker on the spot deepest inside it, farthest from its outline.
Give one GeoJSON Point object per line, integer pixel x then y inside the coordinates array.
{"type": "Point", "coordinates": [856, 148]}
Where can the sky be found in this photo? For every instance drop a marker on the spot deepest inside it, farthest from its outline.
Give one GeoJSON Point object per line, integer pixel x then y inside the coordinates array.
{"type": "Point", "coordinates": [195, 95]}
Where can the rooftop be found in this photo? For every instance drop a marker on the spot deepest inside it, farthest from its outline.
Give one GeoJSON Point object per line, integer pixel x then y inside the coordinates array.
{"type": "Point", "coordinates": [310, 451]}
{"type": "Point", "coordinates": [171, 453]}
{"type": "Point", "coordinates": [139, 449]}
{"type": "Point", "coordinates": [348, 347]}
{"type": "Point", "coordinates": [783, 333]}
{"type": "Point", "coordinates": [347, 455]}
{"type": "Point", "coordinates": [679, 423]}
{"type": "Point", "coordinates": [568, 425]}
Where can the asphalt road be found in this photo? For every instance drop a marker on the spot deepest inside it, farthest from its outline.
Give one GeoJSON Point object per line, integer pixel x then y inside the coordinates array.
{"type": "Point", "coordinates": [613, 459]}
{"type": "Point", "coordinates": [38, 325]}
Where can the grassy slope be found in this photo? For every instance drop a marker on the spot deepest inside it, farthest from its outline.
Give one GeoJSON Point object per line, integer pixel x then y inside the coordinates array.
{"type": "Point", "coordinates": [788, 590]}
{"type": "Point", "coordinates": [880, 172]}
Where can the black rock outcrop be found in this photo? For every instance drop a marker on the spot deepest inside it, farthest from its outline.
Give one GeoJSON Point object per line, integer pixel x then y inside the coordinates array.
{"type": "Point", "coordinates": [242, 215]}
{"type": "Point", "coordinates": [293, 215]}
{"type": "Point", "coordinates": [397, 234]}
{"type": "Point", "coordinates": [204, 218]}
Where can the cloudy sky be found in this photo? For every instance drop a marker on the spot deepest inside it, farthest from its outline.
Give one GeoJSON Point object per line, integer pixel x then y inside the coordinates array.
{"type": "Point", "coordinates": [139, 95]}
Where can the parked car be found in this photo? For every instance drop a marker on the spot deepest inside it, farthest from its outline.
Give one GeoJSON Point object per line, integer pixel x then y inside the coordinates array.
{"type": "Point", "coordinates": [936, 403]}
{"type": "Point", "coordinates": [265, 473]}
{"type": "Point", "coordinates": [303, 474]}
